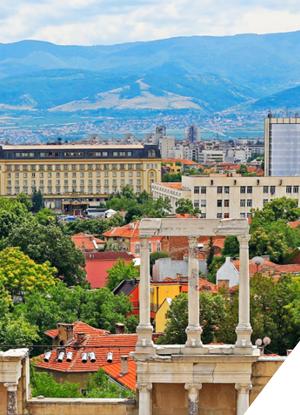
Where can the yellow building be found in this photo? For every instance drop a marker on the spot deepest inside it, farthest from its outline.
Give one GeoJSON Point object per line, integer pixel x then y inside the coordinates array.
{"type": "Point", "coordinates": [173, 168]}
{"type": "Point", "coordinates": [158, 294]}
{"type": "Point", "coordinates": [161, 315]}
{"type": "Point", "coordinates": [75, 177]}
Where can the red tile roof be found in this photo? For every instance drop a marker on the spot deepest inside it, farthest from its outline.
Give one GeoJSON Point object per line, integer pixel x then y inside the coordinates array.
{"type": "Point", "coordinates": [98, 341]}
{"type": "Point", "coordinates": [171, 185]}
{"type": "Point", "coordinates": [128, 380]}
{"type": "Point", "coordinates": [203, 284]}
{"type": "Point", "coordinates": [127, 231]}
{"type": "Point", "coordinates": [52, 333]}
{"type": "Point", "coordinates": [294, 224]}
{"type": "Point", "coordinates": [293, 268]}
{"type": "Point", "coordinates": [85, 241]}
{"type": "Point", "coordinates": [182, 161]}
{"type": "Point", "coordinates": [253, 268]}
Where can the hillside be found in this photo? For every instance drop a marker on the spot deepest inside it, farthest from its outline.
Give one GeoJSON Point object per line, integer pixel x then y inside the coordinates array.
{"type": "Point", "coordinates": [267, 62]}
{"type": "Point", "coordinates": [72, 90]}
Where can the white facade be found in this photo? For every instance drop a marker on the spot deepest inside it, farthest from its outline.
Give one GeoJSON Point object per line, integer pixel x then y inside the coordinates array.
{"type": "Point", "coordinates": [211, 156]}
{"type": "Point", "coordinates": [220, 196]}
{"type": "Point", "coordinates": [228, 274]}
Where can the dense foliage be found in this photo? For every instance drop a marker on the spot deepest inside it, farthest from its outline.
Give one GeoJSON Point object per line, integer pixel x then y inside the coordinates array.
{"type": "Point", "coordinates": [119, 272]}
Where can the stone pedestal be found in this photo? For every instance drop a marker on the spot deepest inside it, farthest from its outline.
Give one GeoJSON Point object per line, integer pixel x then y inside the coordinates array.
{"type": "Point", "coordinates": [193, 330]}
{"type": "Point", "coordinates": [193, 389]}
{"type": "Point", "coordinates": [144, 398]}
{"type": "Point", "coordinates": [244, 329]}
{"type": "Point", "coordinates": [144, 329]}
{"type": "Point", "coordinates": [243, 397]}
{"type": "Point", "coordinates": [12, 400]}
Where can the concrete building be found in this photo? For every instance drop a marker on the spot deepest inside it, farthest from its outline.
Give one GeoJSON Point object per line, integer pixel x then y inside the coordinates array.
{"type": "Point", "coordinates": [211, 156]}
{"type": "Point", "coordinates": [72, 176]}
{"type": "Point", "coordinates": [282, 154]}
{"type": "Point", "coordinates": [192, 133]}
{"type": "Point", "coordinates": [229, 195]}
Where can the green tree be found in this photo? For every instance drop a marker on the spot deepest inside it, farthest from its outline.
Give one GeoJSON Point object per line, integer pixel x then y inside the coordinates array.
{"type": "Point", "coordinates": [231, 246]}
{"type": "Point", "coordinates": [17, 332]}
{"type": "Point", "coordinates": [184, 206]}
{"type": "Point", "coordinates": [98, 386]}
{"type": "Point", "coordinates": [25, 199]}
{"type": "Point", "coordinates": [212, 315]}
{"type": "Point", "coordinates": [48, 243]}
{"type": "Point", "coordinates": [242, 170]}
{"type": "Point", "coordinates": [19, 274]}
{"type": "Point", "coordinates": [42, 383]}
{"type": "Point", "coordinates": [119, 272]}
{"type": "Point", "coordinates": [211, 252]}
{"type": "Point", "coordinates": [216, 263]}
{"type": "Point", "coordinates": [37, 201]}
{"type": "Point", "coordinates": [45, 217]}
{"type": "Point", "coordinates": [127, 192]}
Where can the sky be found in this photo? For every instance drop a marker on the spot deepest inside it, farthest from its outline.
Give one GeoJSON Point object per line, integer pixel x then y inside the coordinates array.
{"type": "Point", "coordinates": [95, 22]}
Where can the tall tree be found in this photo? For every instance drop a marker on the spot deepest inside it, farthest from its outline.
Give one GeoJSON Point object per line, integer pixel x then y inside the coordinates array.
{"type": "Point", "coordinates": [211, 252]}
{"type": "Point", "coordinates": [119, 272]}
{"type": "Point", "coordinates": [37, 201]}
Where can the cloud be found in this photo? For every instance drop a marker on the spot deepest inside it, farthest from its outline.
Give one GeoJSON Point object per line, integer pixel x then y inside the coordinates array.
{"type": "Point", "coordinates": [90, 22]}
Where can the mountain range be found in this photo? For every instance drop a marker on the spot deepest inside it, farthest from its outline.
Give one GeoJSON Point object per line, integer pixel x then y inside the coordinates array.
{"type": "Point", "coordinates": [202, 73]}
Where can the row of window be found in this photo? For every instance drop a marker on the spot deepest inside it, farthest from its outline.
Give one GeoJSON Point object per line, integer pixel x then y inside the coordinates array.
{"type": "Point", "coordinates": [58, 190]}
{"type": "Point", "coordinates": [137, 248]}
{"type": "Point", "coordinates": [28, 154]}
{"type": "Point", "coordinates": [74, 182]}
{"type": "Point", "coordinates": [81, 174]}
{"type": "Point", "coordinates": [243, 215]}
{"type": "Point", "coordinates": [80, 167]}
{"type": "Point", "coordinates": [245, 189]}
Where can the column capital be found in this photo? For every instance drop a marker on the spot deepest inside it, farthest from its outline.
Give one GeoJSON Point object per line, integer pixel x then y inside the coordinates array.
{"type": "Point", "coordinates": [11, 386]}
{"type": "Point", "coordinates": [193, 387]}
{"type": "Point", "coordinates": [144, 387]}
{"type": "Point", "coordinates": [243, 387]}
{"type": "Point", "coordinates": [244, 240]}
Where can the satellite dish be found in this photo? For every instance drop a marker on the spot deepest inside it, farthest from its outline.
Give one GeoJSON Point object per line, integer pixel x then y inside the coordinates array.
{"type": "Point", "coordinates": [258, 342]}
{"type": "Point", "coordinates": [258, 261]}
{"type": "Point", "coordinates": [267, 341]}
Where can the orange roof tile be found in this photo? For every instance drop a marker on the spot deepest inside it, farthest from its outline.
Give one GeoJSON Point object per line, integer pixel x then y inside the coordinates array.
{"type": "Point", "coordinates": [204, 285]}
{"type": "Point", "coordinates": [253, 268]}
{"type": "Point", "coordinates": [52, 333]}
{"type": "Point", "coordinates": [294, 268]}
{"type": "Point", "coordinates": [84, 241]}
{"type": "Point", "coordinates": [131, 230]}
{"type": "Point", "coordinates": [294, 224]}
{"type": "Point", "coordinates": [128, 380]}
{"type": "Point", "coordinates": [175, 185]}
{"type": "Point", "coordinates": [182, 161]}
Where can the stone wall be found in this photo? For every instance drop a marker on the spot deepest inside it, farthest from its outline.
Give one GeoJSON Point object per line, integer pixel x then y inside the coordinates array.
{"type": "Point", "coordinates": [214, 399]}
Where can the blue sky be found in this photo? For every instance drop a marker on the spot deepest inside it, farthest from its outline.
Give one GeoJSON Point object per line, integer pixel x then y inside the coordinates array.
{"type": "Point", "coordinates": [94, 22]}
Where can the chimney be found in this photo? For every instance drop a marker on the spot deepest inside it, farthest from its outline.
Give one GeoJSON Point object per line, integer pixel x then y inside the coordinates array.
{"type": "Point", "coordinates": [124, 366]}
{"type": "Point", "coordinates": [120, 328]}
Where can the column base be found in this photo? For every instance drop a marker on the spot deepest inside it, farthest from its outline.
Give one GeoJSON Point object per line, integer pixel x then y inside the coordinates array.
{"type": "Point", "coordinates": [144, 333]}
{"type": "Point", "coordinates": [193, 337]}
{"type": "Point", "coordinates": [243, 332]}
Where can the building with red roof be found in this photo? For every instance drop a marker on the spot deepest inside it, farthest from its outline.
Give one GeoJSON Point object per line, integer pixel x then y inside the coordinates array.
{"type": "Point", "coordinates": [67, 361]}
{"type": "Point", "coordinates": [87, 243]}
{"type": "Point", "coordinates": [126, 238]}
{"type": "Point", "coordinates": [97, 264]}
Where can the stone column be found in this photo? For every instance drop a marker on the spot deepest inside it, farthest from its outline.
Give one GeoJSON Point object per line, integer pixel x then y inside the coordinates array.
{"type": "Point", "coordinates": [144, 398]}
{"type": "Point", "coordinates": [144, 329]}
{"type": "Point", "coordinates": [12, 399]}
{"type": "Point", "coordinates": [244, 329]}
{"type": "Point", "coordinates": [243, 397]}
{"type": "Point", "coordinates": [193, 330]}
{"type": "Point", "coordinates": [193, 389]}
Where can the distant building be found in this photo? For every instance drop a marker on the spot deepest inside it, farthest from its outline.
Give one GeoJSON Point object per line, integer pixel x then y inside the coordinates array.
{"type": "Point", "coordinates": [282, 151]}
{"type": "Point", "coordinates": [161, 129]}
{"type": "Point", "coordinates": [192, 133]}
{"type": "Point", "coordinates": [87, 243]}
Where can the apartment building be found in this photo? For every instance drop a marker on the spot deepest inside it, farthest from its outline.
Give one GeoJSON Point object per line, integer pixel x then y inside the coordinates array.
{"type": "Point", "coordinates": [282, 151]}
{"type": "Point", "coordinates": [228, 196]}
{"type": "Point", "coordinates": [73, 176]}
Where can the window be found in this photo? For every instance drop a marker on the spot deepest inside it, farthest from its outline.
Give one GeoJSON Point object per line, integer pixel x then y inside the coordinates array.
{"type": "Point", "coordinates": [66, 167]}
{"type": "Point", "coordinates": [265, 201]}
{"type": "Point", "coordinates": [137, 249]}
{"type": "Point", "coordinates": [243, 189]}
{"type": "Point", "coordinates": [114, 174]}
{"type": "Point", "coordinates": [226, 203]}
{"type": "Point", "coordinates": [219, 215]}
{"type": "Point", "coordinates": [32, 174]}
{"type": "Point", "coordinates": [9, 175]}
{"type": "Point", "coordinates": [242, 203]}
{"type": "Point", "coordinates": [73, 166]}
{"type": "Point", "coordinates": [32, 182]}
{"type": "Point", "coordinates": [17, 183]}
{"type": "Point", "coordinates": [98, 181]}
{"type": "Point", "coordinates": [25, 167]}
{"type": "Point", "coordinates": [41, 182]}
{"type": "Point", "coordinates": [272, 190]}
{"type": "Point", "coordinates": [73, 174]}
{"type": "Point", "coordinates": [158, 247]}
{"type": "Point", "coordinates": [130, 166]}
{"type": "Point", "coordinates": [138, 166]}
{"type": "Point", "coordinates": [106, 181]}
{"type": "Point", "coordinates": [249, 202]}
{"type": "Point", "coordinates": [58, 190]}
{"type": "Point", "coordinates": [266, 189]}
{"type": "Point", "coordinates": [114, 182]}
{"type": "Point", "coordinates": [73, 182]}
{"type": "Point", "coordinates": [226, 215]}
{"type": "Point", "coordinates": [138, 174]}
{"type": "Point", "coordinates": [131, 174]}
{"type": "Point", "coordinates": [25, 174]}
{"type": "Point", "coordinates": [242, 215]}
{"type": "Point", "coordinates": [98, 189]}
{"type": "Point", "coordinates": [23, 155]}
{"type": "Point", "coordinates": [114, 167]}
{"type": "Point", "coordinates": [41, 174]}
{"type": "Point", "coordinates": [196, 189]}
{"type": "Point", "coordinates": [8, 190]}
{"type": "Point", "coordinates": [41, 167]}
{"type": "Point", "coordinates": [122, 166]}
{"type": "Point", "coordinates": [66, 182]}
{"type": "Point", "coordinates": [49, 167]}
{"type": "Point", "coordinates": [90, 174]}
{"type": "Point", "coordinates": [289, 189]}
{"type": "Point", "coordinates": [106, 166]}
{"type": "Point", "coordinates": [203, 190]}
{"type": "Point", "coordinates": [90, 182]}
{"type": "Point", "coordinates": [226, 189]}
{"type": "Point", "coordinates": [90, 167]}
{"type": "Point", "coordinates": [151, 152]}
{"type": "Point", "coordinates": [49, 154]}
{"type": "Point", "coordinates": [49, 182]}
{"type": "Point", "coordinates": [219, 203]}
{"type": "Point", "coordinates": [73, 154]}
{"type": "Point", "coordinates": [98, 167]}
{"type": "Point", "coordinates": [57, 181]}
{"type": "Point", "coordinates": [249, 189]}
{"type": "Point", "coordinates": [138, 181]}
{"type": "Point", "coordinates": [66, 174]}
{"type": "Point", "coordinates": [249, 214]}
{"type": "Point", "coordinates": [57, 167]}
{"type": "Point", "coordinates": [17, 175]}
{"type": "Point", "coordinates": [219, 189]}
{"type": "Point", "coordinates": [106, 174]}
{"type": "Point", "coordinates": [98, 174]}
{"type": "Point", "coordinates": [203, 202]}
{"type": "Point", "coordinates": [82, 174]}
{"type": "Point", "coordinates": [49, 174]}
{"type": "Point", "coordinates": [203, 215]}
{"type": "Point", "coordinates": [122, 182]}
{"type": "Point", "coordinates": [8, 182]}
{"type": "Point", "coordinates": [122, 174]}
{"type": "Point", "coordinates": [196, 203]}
{"type": "Point", "coordinates": [82, 182]}
{"type": "Point", "coordinates": [296, 189]}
